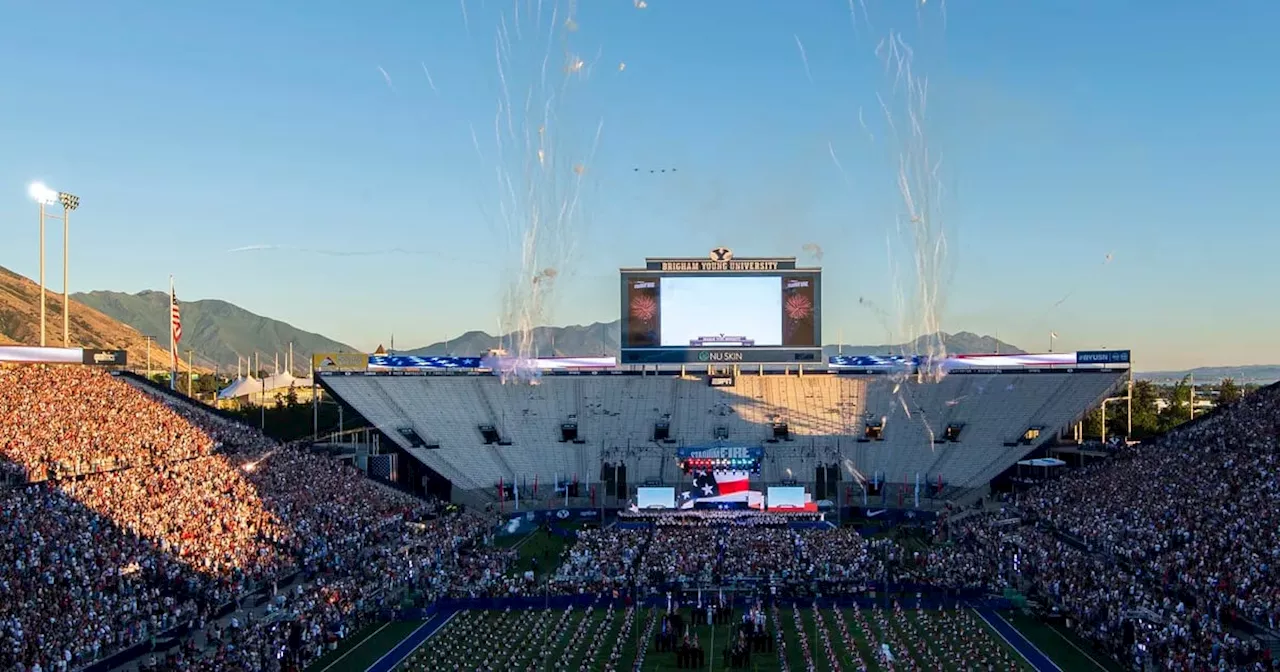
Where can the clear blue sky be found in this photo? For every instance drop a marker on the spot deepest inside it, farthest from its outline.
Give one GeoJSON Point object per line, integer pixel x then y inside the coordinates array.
{"type": "Point", "coordinates": [1068, 130]}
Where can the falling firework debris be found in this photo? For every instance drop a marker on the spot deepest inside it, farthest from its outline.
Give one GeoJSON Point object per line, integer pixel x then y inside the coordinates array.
{"type": "Point", "coordinates": [430, 80]}
{"type": "Point", "coordinates": [904, 103]}
{"type": "Point", "coordinates": [804, 58]}
{"type": "Point", "coordinates": [387, 78]}
{"type": "Point", "coordinates": [542, 157]}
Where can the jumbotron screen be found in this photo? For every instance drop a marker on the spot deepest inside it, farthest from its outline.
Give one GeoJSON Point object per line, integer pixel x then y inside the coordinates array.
{"type": "Point", "coordinates": [721, 318]}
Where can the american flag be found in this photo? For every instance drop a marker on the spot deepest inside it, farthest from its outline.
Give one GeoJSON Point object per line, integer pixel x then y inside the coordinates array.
{"type": "Point", "coordinates": [716, 486]}
{"type": "Point", "coordinates": [383, 467]}
{"type": "Point", "coordinates": [175, 324]}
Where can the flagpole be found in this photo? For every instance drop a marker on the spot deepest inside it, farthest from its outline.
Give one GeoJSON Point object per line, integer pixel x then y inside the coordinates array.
{"type": "Point", "coordinates": [173, 344]}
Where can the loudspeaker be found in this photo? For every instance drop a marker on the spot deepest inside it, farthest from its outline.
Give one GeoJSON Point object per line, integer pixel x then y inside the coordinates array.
{"type": "Point", "coordinates": [606, 476]}
{"type": "Point", "coordinates": [833, 480]}
{"type": "Point", "coordinates": [621, 484]}
{"type": "Point", "coordinates": [820, 482]}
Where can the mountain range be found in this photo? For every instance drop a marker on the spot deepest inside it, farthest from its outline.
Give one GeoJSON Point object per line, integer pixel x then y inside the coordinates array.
{"type": "Point", "coordinates": [220, 333]}
{"type": "Point", "coordinates": [88, 328]}
{"type": "Point", "coordinates": [604, 339]}
{"type": "Point", "coordinates": [1261, 374]}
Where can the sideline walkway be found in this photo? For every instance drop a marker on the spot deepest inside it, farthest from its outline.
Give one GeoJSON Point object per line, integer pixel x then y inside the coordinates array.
{"type": "Point", "coordinates": [1010, 634]}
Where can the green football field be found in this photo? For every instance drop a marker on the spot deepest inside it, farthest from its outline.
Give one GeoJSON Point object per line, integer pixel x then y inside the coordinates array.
{"type": "Point", "coordinates": [579, 640]}
{"type": "Point", "coordinates": [470, 634]}
{"type": "Point", "coordinates": [360, 651]}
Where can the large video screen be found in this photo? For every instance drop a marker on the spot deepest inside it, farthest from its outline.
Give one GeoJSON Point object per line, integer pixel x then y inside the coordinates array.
{"type": "Point", "coordinates": [655, 498]}
{"type": "Point", "coordinates": [740, 312]}
{"type": "Point", "coordinates": [721, 311]}
{"type": "Point", "coordinates": [786, 497]}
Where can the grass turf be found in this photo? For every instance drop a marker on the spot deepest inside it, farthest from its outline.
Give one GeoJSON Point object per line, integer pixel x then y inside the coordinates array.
{"type": "Point", "coordinates": [364, 648]}
{"type": "Point", "coordinates": [472, 636]}
{"type": "Point", "coordinates": [1061, 646]}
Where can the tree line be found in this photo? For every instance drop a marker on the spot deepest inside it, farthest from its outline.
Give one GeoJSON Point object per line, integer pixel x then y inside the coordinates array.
{"type": "Point", "coordinates": [1160, 408]}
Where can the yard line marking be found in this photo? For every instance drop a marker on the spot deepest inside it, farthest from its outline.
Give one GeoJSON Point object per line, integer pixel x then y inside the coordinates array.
{"type": "Point", "coordinates": [1024, 638]}
{"type": "Point", "coordinates": [358, 645]}
{"type": "Point", "coordinates": [1073, 645]}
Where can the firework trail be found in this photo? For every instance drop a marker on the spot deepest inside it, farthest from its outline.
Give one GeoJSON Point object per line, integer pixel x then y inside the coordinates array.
{"type": "Point", "coordinates": [905, 105]}
{"type": "Point", "coordinates": [919, 292]}
{"type": "Point", "coordinates": [543, 148]}
{"type": "Point", "coordinates": [430, 81]}
{"type": "Point", "coordinates": [387, 78]}
{"type": "Point", "coordinates": [1106, 261]}
{"type": "Point", "coordinates": [804, 58]}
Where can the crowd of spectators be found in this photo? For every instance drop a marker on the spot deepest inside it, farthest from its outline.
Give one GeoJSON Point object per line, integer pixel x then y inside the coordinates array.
{"type": "Point", "coordinates": [1158, 554]}
{"type": "Point", "coordinates": [138, 512]}
{"type": "Point", "coordinates": [1185, 528]}
{"type": "Point", "coordinates": [69, 419]}
{"type": "Point", "coordinates": [186, 514]}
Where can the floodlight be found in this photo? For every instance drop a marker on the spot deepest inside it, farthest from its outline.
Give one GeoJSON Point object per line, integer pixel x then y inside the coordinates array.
{"type": "Point", "coordinates": [42, 194]}
{"type": "Point", "coordinates": [69, 201]}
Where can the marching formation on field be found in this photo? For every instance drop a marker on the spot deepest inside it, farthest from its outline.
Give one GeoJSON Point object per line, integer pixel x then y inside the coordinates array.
{"type": "Point", "coordinates": [130, 516]}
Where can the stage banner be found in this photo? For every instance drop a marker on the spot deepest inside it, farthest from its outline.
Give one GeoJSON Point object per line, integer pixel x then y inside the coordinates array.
{"type": "Point", "coordinates": [339, 361]}
{"type": "Point", "coordinates": [35, 355]}
{"type": "Point", "coordinates": [721, 452]}
{"type": "Point", "coordinates": [104, 357]}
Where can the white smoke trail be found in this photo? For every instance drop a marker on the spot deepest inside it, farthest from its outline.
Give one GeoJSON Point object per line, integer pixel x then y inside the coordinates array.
{"type": "Point", "coordinates": [543, 149]}
{"type": "Point", "coordinates": [905, 105]}
{"type": "Point", "coordinates": [387, 78]}
{"type": "Point", "coordinates": [804, 58]}
{"type": "Point", "coordinates": [430, 80]}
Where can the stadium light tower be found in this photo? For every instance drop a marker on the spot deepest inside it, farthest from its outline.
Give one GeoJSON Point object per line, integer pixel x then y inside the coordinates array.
{"type": "Point", "coordinates": [44, 196]}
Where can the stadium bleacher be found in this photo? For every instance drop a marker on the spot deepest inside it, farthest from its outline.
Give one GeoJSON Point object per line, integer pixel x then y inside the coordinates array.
{"type": "Point", "coordinates": [615, 417]}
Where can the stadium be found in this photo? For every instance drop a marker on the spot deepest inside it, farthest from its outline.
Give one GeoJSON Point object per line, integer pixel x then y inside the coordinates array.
{"type": "Point", "coordinates": [719, 495]}
{"type": "Point", "coordinates": [595, 433]}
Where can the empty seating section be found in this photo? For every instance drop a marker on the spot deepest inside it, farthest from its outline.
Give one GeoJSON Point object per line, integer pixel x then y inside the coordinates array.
{"type": "Point", "coordinates": [825, 416]}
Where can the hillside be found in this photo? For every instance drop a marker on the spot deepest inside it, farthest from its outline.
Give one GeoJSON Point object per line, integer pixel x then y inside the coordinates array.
{"type": "Point", "coordinates": [20, 323]}
{"type": "Point", "coordinates": [218, 331]}
{"type": "Point", "coordinates": [601, 338]}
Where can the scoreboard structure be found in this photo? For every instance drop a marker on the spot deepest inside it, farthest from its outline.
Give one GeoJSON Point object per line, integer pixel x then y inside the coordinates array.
{"type": "Point", "coordinates": [721, 310]}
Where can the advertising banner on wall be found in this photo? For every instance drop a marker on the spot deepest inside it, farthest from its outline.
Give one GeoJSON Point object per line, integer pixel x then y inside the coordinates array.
{"type": "Point", "coordinates": [339, 361]}
{"type": "Point", "coordinates": [36, 355]}
{"type": "Point", "coordinates": [104, 357]}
